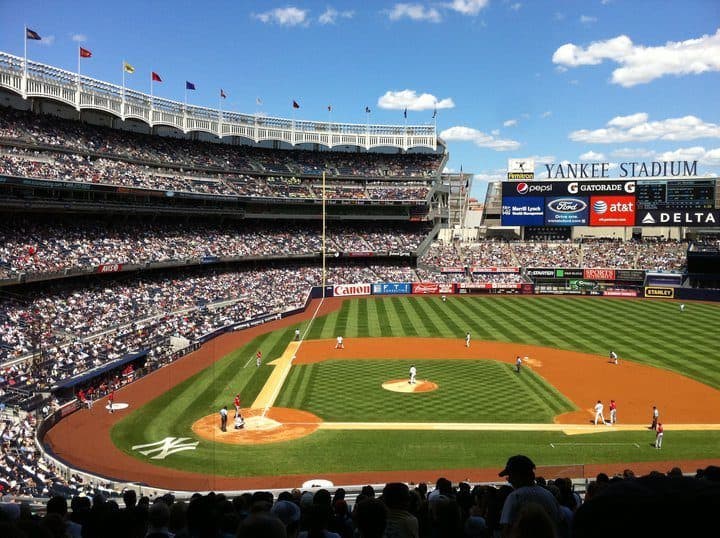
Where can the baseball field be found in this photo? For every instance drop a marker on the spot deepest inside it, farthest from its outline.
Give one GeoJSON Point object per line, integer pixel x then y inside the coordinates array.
{"type": "Point", "coordinates": [350, 415]}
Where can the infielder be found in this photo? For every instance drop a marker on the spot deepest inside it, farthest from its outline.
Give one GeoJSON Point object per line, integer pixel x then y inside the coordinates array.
{"type": "Point", "coordinates": [339, 344]}
{"type": "Point", "coordinates": [518, 364]}
{"type": "Point", "coordinates": [659, 436]}
{"type": "Point", "coordinates": [613, 357]}
{"type": "Point", "coordinates": [467, 339]}
{"type": "Point", "coordinates": [413, 373]}
{"type": "Point", "coordinates": [613, 412]}
{"type": "Point", "coordinates": [599, 412]}
{"type": "Point", "coordinates": [655, 416]}
{"type": "Point", "coordinates": [236, 403]}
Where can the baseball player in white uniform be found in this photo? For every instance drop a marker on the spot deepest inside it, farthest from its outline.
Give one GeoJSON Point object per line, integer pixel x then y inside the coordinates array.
{"type": "Point", "coordinates": [467, 339]}
{"type": "Point", "coordinates": [613, 357]}
{"type": "Point", "coordinates": [339, 344]}
{"type": "Point", "coordinates": [599, 412]}
{"type": "Point", "coordinates": [682, 308]}
{"type": "Point", "coordinates": [413, 373]}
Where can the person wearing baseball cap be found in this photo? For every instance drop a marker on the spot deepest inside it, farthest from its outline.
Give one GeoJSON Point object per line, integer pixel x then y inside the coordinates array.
{"type": "Point", "coordinates": [520, 472]}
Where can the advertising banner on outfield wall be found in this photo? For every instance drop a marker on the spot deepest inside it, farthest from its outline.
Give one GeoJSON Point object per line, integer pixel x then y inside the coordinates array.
{"type": "Point", "coordinates": [432, 288]}
{"type": "Point", "coordinates": [599, 274]}
{"type": "Point", "coordinates": [452, 270]}
{"type": "Point", "coordinates": [392, 288]}
{"type": "Point", "coordinates": [554, 272]}
{"type": "Point", "coordinates": [657, 291]}
{"type": "Point", "coordinates": [347, 290]}
{"type": "Point", "coordinates": [612, 211]}
{"type": "Point", "coordinates": [620, 293]}
{"type": "Point", "coordinates": [629, 274]}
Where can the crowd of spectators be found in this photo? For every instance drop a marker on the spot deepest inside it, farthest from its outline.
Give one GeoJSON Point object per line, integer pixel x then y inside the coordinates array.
{"type": "Point", "coordinates": [51, 132]}
{"type": "Point", "coordinates": [646, 254]}
{"type": "Point", "coordinates": [527, 506]}
{"type": "Point", "coordinates": [99, 170]}
{"type": "Point", "coordinates": [35, 246]}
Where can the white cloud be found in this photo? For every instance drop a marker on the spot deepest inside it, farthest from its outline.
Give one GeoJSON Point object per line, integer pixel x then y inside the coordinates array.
{"type": "Point", "coordinates": [495, 132]}
{"type": "Point", "coordinates": [636, 128]}
{"type": "Point", "coordinates": [510, 123]}
{"type": "Point", "coordinates": [47, 40]}
{"type": "Point", "coordinates": [79, 38]}
{"type": "Point", "coordinates": [284, 16]}
{"type": "Point", "coordinates": [628, 121]}
{"type": "Point", "coordinates": [558, 16]}
{"type": "Point", "coordinates": [331, 15]}
{"type": "Point", "coordinates": [415, 12]}
{"type": "Point", "coordinates": [587, 19]}
{"type": "Point", "coordinates": [546, 114]}
{"type": "Point", "coordinates": [467, 7]}
{"type": "Point", "coordinates": [640, 64]}
{"type": "Point", "coordinates": [516, 6]}
{"type": "Point", "coordinates": [491, 176]}
{"type": "Point", "coordinates": [409, 99]}
{"type": "Point", "coordinates": [480, 139]}
{"type": "Point", "coordinates": [592, 156]}
{"type": "Point", "coordinates": [574, 82]}
{"type": "Point", "coordinates": [697, 153]}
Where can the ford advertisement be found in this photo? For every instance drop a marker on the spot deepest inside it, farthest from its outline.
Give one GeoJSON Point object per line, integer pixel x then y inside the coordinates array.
{"type": "Point", "coordinates": [566, 211]}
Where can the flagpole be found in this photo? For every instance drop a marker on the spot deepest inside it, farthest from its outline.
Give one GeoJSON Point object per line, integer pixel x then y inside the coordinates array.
{"type": "Point", "coordinates": [25, 63]}
{"type": "Point", "coordinates": [122, 110]}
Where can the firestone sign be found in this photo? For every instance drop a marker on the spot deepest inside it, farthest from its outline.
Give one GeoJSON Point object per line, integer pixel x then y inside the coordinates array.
{"type": "Point", "coordinates": [628, 169]}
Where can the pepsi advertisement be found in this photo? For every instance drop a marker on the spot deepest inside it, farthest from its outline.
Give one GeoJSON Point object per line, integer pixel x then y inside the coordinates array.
{"type": "Point", "coordinates": [523, 211]}
{"type": "Point", "coordinates": [566, 211]}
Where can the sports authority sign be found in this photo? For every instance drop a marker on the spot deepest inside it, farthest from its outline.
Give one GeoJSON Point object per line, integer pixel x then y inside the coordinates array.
{"type": "Point", "coordinates": [599, 274]}
{"type": "Point", "coordinates": [346, 290]}
{"type": "Point", "coordinates": [521, 169]}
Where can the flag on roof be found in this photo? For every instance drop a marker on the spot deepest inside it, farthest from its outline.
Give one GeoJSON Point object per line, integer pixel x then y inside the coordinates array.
{"type": "Point", "coordinates": [329, 108]}
{"type": "Point", "coordinates": [405, 113]}
{"type": "Point", "coordinates": [84, 53]}
{"type": "Point", "coordinates": [128, 68]}
{"type": "Point", "coordinates": [222, 94]}
{"type": "Point", "coordinates": [295, 104]}
{"type": "Point", "coordinates": [189, 85]}
{"type": "Point", "coordinates": [367, 110]}
{"type": "Point", "coordinates": [32, 34]}
{"type": "Point", "coordinates": [258, 101]}
{"type": "Point", "coordinates": [155, 77]}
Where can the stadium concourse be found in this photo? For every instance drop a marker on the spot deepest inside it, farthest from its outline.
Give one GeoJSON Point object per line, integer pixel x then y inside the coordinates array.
{"type": "Point", "coordinates": [99, 291]}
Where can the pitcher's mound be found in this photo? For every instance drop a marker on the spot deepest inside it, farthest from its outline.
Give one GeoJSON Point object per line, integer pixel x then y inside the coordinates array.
{"type": "Point", "coordinates": [402, 385]}
{"type": "Point", "coordinates": [278, 424]}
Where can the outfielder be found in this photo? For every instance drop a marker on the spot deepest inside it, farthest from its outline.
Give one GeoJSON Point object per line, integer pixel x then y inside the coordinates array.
{"type": "Point", "coordinates": [467, 339]}
{"type": "Point", "coordinates": [413, 373]}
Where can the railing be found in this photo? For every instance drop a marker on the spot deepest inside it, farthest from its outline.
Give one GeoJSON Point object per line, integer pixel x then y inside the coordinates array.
{"type": "Point", "coordinates": [82, 92]}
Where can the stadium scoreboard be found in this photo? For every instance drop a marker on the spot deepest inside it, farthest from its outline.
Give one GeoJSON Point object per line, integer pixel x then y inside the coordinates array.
{"type": "Point", "coordinates": [675, 194]}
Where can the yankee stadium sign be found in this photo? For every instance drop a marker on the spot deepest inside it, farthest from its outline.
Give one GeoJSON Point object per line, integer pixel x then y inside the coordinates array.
{"type": "Point", "coordinates": [628, 169]}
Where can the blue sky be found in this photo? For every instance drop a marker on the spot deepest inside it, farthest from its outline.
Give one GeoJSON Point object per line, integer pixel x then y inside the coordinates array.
{"type": "Point", "coordinates": [562, 80]}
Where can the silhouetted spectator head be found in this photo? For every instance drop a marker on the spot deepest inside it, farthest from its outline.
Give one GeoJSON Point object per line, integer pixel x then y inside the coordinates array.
{"type": "Point", "coordinates": [396, 496]}
{"type": "Point", "coordinates": [130, 498]}
{"type": "Point", "coordinates": [520, 470]}
{"type": "Point", "coordinates": [57, 505]}
{"type": "Point", "coordinates": [370, 518]}
{"type": "Point", "coordinates": [261, 526]}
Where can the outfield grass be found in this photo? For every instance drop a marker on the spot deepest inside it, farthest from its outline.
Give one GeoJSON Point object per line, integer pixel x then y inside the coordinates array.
{"type": "Point", "coordinates": [650, 332]}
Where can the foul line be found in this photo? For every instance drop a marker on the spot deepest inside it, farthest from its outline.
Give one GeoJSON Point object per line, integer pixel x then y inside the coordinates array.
{"type": "Point", "coordinates": [553, 445]}
{"type": "Point", "coordinates": [274, 385]}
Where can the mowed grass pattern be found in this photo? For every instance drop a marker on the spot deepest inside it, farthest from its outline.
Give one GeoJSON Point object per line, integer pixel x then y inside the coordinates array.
{"type": "Point", "coordinates": [468, 391]}
{"type": "Point", "coordinates": [644, 331]}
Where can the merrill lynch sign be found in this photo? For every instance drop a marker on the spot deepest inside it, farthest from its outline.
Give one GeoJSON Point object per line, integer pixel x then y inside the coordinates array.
{"type": "Point", "coordinates": [628, 169]}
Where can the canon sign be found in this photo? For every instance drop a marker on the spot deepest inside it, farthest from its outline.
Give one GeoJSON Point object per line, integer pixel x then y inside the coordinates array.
{"type": "Point", "coordinates": [346, 290]}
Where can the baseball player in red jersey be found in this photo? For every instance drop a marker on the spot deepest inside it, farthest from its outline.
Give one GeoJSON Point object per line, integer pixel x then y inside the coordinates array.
{"type": "Point", "coordinates": [111, 399]}
{"type": "Point", "coordinates": [659, 435]}
{"type": "Point", "coordinates": [258, 358]}
{"type": "Point", "coordinates": [613, 412]}
{"type": "Point", "coordinates": [236, 403]}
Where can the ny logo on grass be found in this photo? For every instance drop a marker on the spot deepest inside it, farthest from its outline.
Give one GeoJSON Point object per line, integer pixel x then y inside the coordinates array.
{"type": "Point", "coordinates": [167, 446]}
